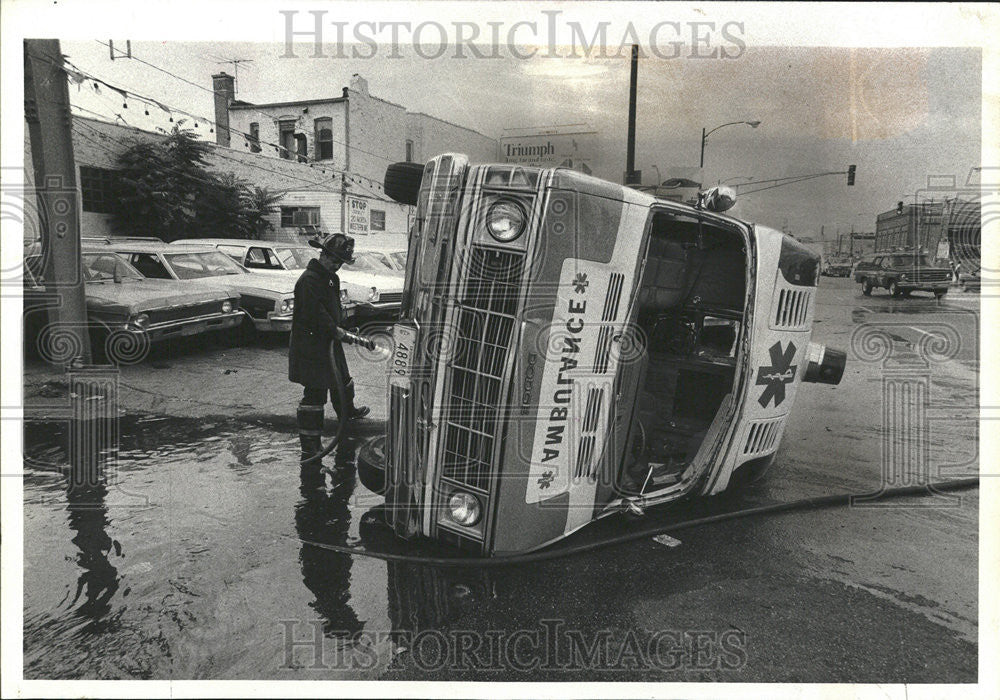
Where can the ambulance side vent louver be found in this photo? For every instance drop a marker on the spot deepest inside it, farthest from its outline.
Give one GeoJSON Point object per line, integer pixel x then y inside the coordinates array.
{"type": "Point", "coordinates": [792, 308]}
{"type": "Point", "coordinates": [762, 436]}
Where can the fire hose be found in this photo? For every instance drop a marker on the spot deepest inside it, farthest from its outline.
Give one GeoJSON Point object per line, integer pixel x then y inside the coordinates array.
{"type": "Point", "coordinates": [340, 388]}
{"type": "Point", "coordinates": [805, 504]}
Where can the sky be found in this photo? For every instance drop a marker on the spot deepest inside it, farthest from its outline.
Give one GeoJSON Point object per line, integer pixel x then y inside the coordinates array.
{"type": "Point", "coordinates": [900, 115]}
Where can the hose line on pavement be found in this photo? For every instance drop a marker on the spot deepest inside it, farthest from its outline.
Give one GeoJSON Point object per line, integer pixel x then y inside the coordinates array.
{"type": "Point", "coordinates": [341, 388]}
{"type": "Point", "coordinates": [815, 503]}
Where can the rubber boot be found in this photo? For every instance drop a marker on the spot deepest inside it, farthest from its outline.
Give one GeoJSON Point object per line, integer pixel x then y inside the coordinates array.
{"type": "Point", "coordinates": [352, 411]}
{"type": "Point", "coordinates": [310, 420]}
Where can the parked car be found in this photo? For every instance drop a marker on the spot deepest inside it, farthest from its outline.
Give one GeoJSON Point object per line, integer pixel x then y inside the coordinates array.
{"type": "Point", "coordinates": [968, 280]}
{"type": "Point", "coordinates": [120, 299]}
{"type": "Point", "coordinates": [267, 299]}
{"type": "Point", "coordinates": [371, 290]}
{"type": "Point", "coordinates": [902, 273]}
{"type": "Point", "coordinates": [391, 259]}
{"type": "Point", "coordinates": [837, 267]}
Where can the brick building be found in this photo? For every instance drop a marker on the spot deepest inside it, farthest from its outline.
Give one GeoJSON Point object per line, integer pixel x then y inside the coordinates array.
{"type": "Point", "coordinates": [948, 229]}
{"type": "Point", "coordinates": [909, 228]}
{"type": "Point", "coordinates": [313, 202]}
{"type": "Point", "coordinates": [354, 131]}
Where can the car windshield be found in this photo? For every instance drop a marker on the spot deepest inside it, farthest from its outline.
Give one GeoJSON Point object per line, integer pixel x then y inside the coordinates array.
{"type": "Point", "coordinates": [107, 266]}
{"type": "Point", "coordinates": [366, 262]}
{"type": "Point", "coordinates": [904, 260]}
{"type": "Point", "coordinates": [207, 264]}
{"type": "Point", "coordinates": [296, 258]}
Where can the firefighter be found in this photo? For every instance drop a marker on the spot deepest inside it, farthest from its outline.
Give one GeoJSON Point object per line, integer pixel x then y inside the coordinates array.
{"type": "Point", "coordinates": [316, 321]}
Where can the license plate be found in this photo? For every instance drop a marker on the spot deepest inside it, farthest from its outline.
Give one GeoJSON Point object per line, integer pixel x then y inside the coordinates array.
{"type": "Point", "coordinates": [194, 328]}
{"type": "Point", "coordinates": [404, 341]}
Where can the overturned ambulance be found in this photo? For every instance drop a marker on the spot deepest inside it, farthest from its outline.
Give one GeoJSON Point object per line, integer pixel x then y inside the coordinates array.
{"type": "Point", "coordinates": [570, 348]}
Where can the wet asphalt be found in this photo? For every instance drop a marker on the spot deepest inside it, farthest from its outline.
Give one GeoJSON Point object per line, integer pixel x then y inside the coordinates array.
{"type": "Point", "coordinates": [178, 554]}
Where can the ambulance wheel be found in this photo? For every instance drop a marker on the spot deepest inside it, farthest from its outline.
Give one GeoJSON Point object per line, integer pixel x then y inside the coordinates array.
{"type": "Point", "coordinates": [866, 288]}
{"type": "Point", "coordinates": [750, 473]}
{"type": "Point", "coordinates": [402, 182]}
{"type": "Point", "coordinates": [371, 465]}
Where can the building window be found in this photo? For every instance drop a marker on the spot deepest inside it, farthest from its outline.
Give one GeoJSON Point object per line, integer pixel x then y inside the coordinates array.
{"type": "Point", "coordinates": [286, 140]}
{"type": "Point", "coordinates": [409, 151]}
{"type": "Point", "coordinates": [301, 148]}
{"type": "Point", "coordinates": [324, 139]}
{"type": "Point", "coordinates": [377, 220]}
{"type": "Point", "coordinates": [297, 217]}
{"type": "Point", "coordinates": [99, 190]}
{"type": "Point", "coordinates": [254, 137]}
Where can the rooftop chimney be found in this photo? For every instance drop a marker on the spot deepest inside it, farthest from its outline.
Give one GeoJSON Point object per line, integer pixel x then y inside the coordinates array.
{"type": "Point", "coordinates": [225, 93]}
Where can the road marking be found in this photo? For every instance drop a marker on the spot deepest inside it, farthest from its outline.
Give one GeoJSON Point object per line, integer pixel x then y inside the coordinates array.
{"type": "Point", "coordinates": [667, 540]}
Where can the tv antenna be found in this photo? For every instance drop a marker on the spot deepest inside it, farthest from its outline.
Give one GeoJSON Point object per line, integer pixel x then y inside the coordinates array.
{"type": "Point", "coordinates": [235, 62]}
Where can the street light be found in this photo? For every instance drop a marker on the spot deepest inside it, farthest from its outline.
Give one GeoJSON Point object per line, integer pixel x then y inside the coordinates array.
{"type": "Point", "coordinates": [704, 136]}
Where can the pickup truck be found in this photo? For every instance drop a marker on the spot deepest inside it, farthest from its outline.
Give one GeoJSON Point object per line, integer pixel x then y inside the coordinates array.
{"type": "Point", "coordinates": [902, 273]}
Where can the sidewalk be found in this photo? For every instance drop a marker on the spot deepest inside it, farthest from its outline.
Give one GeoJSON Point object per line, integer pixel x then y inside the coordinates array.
{"type": "Point", "coordinates": [249, 382]}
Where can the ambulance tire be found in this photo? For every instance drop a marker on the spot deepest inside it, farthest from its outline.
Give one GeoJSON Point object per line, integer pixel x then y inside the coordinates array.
{"type": "Point", "coordinates": [371, 469]}
{"type": "Point", "coordinates": [402, 182]}
{"type": "Point", "coordinates": [750, 473]}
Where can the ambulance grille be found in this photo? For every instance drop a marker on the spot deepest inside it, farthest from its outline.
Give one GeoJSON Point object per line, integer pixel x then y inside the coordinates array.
{"type": "Point", "coordinates": [792, 309]}
{"type": "Point", "coordinates": [762, 436]}
{"type": "Point", "coordinates": [484, 328]}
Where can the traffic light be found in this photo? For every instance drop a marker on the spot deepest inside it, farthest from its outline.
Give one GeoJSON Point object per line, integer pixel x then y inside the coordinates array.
{"type": "Point", "coordinates": [850, 174]}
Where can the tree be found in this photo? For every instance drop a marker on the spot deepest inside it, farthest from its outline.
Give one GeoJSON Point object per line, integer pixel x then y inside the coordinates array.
{"type": "Point", "coordinates": [160, 185]}
{"type": "Point", "coordinates": [258, 203]}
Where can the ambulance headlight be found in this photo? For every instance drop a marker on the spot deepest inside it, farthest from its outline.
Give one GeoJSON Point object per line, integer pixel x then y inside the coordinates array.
{"type": "Point", "coordinates": [505, 220]}
{"type": "Point", "coordinates": [464, 508]}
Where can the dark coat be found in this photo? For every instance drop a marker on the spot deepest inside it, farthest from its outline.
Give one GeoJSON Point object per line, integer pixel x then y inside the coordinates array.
{"type": "Point", "coordinates": [315, 319]}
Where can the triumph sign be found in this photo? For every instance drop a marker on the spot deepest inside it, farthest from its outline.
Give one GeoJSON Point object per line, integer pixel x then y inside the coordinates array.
{"type": "Point", "coordinates": [555, 147]}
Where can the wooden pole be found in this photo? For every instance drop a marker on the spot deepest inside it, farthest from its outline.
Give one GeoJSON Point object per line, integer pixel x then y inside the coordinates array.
{"type": "Point", "coordinates": [49, 121]}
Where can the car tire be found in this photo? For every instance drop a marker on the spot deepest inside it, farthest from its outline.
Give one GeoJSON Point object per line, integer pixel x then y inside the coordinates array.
{"type": "Point", "coordinates": [940, 293]}
{"type": "Point", "coordinates": [866, 288]}
{"type": "Point", "coordinates": [242, 334]}
{"type": "Point", "coordinates": [894, 289]}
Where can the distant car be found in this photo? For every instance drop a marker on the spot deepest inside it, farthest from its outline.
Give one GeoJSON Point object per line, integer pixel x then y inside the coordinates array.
{"type": "Point", "coordinates": [902, 273]}
{"type": "Point", "coordinates": [120, 299]}
{"type": "Point", "coordinates": [837, 267]}
{"type": "Point", "coordinates": [969, 280]}
{"type": "Point", "coordinates": [267, 299]}
{"type": "Point", "coordinates": [369, 288]}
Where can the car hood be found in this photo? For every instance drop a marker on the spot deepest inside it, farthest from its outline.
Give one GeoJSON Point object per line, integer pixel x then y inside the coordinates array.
{"type": "Point", "coordinates": [135, 296]}
{"type": "Point", "coordinates": [384, 282]}
{"type": "Point", "coordinates": [279, 282]}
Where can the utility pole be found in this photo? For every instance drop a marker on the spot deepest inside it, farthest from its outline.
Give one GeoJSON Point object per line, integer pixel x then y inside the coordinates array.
{"type": "Point", "coordinates": [631, 176]}
{"type": "Point", "coordinates": [47, 113]}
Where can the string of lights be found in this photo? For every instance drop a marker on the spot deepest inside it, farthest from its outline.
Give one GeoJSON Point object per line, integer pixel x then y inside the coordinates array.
{"type": "Point", "coordinates": [349, 176]}
{"type": "Point", "coordinates": [79, 76]}
{"type": "Point", "coordinates": [220, 153]}
{"type": "Point", "coordinates": [278, 147]}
